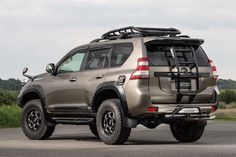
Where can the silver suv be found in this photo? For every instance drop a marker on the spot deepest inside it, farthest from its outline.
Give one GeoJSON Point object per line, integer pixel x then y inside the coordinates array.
{"type": "Point", "coordinates": [129, 76]}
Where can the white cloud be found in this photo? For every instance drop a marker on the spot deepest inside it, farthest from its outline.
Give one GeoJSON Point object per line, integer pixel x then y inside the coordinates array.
{"type": "Point", "coordinates": [34, 33]}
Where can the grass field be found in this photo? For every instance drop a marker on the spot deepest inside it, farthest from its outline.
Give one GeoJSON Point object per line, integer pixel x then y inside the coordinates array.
{"type": "Point", "coordinates": [9, 116]}
{"type": "Point", "coordinates": [222, 90]}
{"type": "Point", "coordinates": [226, 114]}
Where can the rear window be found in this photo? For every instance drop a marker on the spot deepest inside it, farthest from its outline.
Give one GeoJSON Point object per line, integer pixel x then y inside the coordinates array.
{"type": "Point", "coordinates": [120, 53]}
{"type": "Point", "coordinates": [161, 55]}
{"type": "Point", "coordinates": [202, 58]}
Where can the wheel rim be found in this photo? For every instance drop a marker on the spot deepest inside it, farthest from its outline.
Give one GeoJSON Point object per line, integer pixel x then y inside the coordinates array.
{"type": "Point", "coordinates": [34, 120]}
{"type": "Point", "coordinates": [109, 123]}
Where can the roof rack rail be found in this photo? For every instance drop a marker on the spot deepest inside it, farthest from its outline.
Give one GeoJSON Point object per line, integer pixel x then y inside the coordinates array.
{"type": "Point", "coordinates": [97, 40]}
{"type": "Point", "coordinates": [183, 36]}
{"type": "Point", "coordinates": [131, 31]}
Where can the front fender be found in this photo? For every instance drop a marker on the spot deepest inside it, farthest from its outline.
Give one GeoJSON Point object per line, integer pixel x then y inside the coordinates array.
{"type": "Point", "coordinates": [26, 90]}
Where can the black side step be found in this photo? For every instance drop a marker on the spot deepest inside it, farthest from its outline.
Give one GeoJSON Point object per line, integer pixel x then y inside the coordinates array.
{"type": "Point", "coordinates": [73, 120]}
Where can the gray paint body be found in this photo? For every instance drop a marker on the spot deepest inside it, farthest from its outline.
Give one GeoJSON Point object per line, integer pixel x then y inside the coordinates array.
{"type": "Point", "coordinates": [60, 94]}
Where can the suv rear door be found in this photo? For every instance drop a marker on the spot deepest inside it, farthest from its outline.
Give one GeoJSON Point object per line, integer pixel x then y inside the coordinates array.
{"type": "Point", "coordinates": [93, 73]}
{"type": "Point", "coordinates": [175, 76]}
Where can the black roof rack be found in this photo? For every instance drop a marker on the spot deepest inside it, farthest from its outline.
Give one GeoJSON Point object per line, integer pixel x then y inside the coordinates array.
{"type": "Point", "coordinates": [131, 31]}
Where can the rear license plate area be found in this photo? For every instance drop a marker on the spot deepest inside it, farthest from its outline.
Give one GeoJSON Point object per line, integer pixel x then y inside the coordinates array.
{"type": "Point", "coordinates": [189, 110]}
{"type": "Point", "coordinates": [184, 84]}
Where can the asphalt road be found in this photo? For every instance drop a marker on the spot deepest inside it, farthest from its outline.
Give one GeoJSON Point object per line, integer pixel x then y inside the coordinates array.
{"type": "Point", "coordinates": [219, 140]}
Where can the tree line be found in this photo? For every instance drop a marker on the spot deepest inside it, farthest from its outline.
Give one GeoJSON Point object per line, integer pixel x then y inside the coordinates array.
{"type": "Point", "coordinates": [10, 84]}
{"type": "Point", "coordinates": [8, 97]}
{"type": "Point", "coordinates": [9, 89]}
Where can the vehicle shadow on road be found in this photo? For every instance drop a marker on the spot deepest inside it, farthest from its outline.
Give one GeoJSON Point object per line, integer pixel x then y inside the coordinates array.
{"type": "Point", "coordinates": [75, 137]}
{"type": "Point", "coordinates": [87, 138]}
{"type": "Point", "coordinates": [149, 142]}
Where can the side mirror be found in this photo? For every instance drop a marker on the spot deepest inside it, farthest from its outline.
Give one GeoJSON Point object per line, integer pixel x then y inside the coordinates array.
{"type": "Point", "coordinates": [24, 70]}
{"type": "Point", "coordinates": [50, 68]}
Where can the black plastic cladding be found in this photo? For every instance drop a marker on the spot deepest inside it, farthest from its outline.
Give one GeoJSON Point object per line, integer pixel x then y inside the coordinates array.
{"type": "Point", "coordinates": [115, 87]}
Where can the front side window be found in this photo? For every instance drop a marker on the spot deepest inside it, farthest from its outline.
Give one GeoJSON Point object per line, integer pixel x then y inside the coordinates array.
{"type": "Point", "coordinates": [72, 63]}
{"type": "Point", "coordinates": [97, 59]}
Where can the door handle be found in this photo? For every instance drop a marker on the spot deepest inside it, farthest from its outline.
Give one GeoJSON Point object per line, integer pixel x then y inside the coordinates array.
{"type": "Point", "coordinates": [73, 79]}
{"type": "Point", "coordinates": [99, 76]}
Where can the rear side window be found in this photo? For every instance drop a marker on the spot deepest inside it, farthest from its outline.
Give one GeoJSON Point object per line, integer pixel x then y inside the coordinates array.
{"type": "Point", "coordinates": [202, 59]}
{"type": "Point", "coordinates": [97, 59]}
{"type": "Point", "coordinates": [161, 55]}
{"type": "Point", "coordinates": [120, 53]}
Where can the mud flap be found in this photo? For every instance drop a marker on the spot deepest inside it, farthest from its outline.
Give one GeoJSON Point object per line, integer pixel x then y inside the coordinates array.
{"type": "Point", "coordinates": [130, 123]}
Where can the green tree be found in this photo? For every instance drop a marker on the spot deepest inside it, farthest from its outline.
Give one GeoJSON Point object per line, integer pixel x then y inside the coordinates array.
{"type": "Point", "coordinates": [228, 96]}
{"type": "Point", "coordinates": [10, 84]}
{"type": "Point", "coordinates": [8, 97]}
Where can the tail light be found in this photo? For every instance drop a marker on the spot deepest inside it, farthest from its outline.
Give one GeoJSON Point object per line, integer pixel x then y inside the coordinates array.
{"type": "Point", "coordinates": [213, 70]}
{"type": "Point", "coordinates": [213, 108]}
{"type": "Point", "coordinates": [142, 70]}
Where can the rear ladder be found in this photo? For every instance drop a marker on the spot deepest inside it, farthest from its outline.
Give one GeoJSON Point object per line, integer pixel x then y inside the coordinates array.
{"type": "Point", "coordinates": [180, 75]}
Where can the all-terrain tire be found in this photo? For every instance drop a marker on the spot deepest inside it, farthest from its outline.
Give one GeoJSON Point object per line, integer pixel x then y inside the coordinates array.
{"type": "Point", "coordinates": [188, 131]}
{"type": "Point", "coordinates": [110, 124]}
{"type": "Point", "coordinates": [33, 122]}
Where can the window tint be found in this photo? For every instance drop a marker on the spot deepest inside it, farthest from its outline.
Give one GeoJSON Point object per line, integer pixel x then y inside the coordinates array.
{"type": "Point", "coordinates": [120, 54]}
{"type": "Point", "coordinates": [161, 55]}
{"type": "Point", "coordinates": [201, 57]}
{"type": "Point", "coordinates": [72, 63]}
{"type": "Point", "coordinates": [186, 56]}
{"type": "Point", "coordinates": [97, 59]}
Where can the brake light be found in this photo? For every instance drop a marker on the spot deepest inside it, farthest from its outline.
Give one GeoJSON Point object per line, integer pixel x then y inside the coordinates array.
{"type": "Point", "coordinates": [213, 70]}
{"type": "Point", "coordinates": [142, 70]}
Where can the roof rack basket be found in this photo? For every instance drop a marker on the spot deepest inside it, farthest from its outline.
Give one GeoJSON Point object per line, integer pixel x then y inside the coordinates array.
{"type": "Point", "coordinates": [131, 31]}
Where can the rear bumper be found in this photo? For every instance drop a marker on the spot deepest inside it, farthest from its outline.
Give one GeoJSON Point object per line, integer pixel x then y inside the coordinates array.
{"type": "Point", "coordinates": [139, 99]}
{"type": "Point", "coordinates": [153, 122]}
{"type": "Point", "coordinates": [170, 112]}
{"type": "Point", "coordinates": [170, 108]}
{"type": "Point", "coordinates": [189, 116]}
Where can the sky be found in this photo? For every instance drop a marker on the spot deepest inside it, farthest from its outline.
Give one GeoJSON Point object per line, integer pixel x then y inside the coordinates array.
{"type": "Point", "coordinates": [34, 33]}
